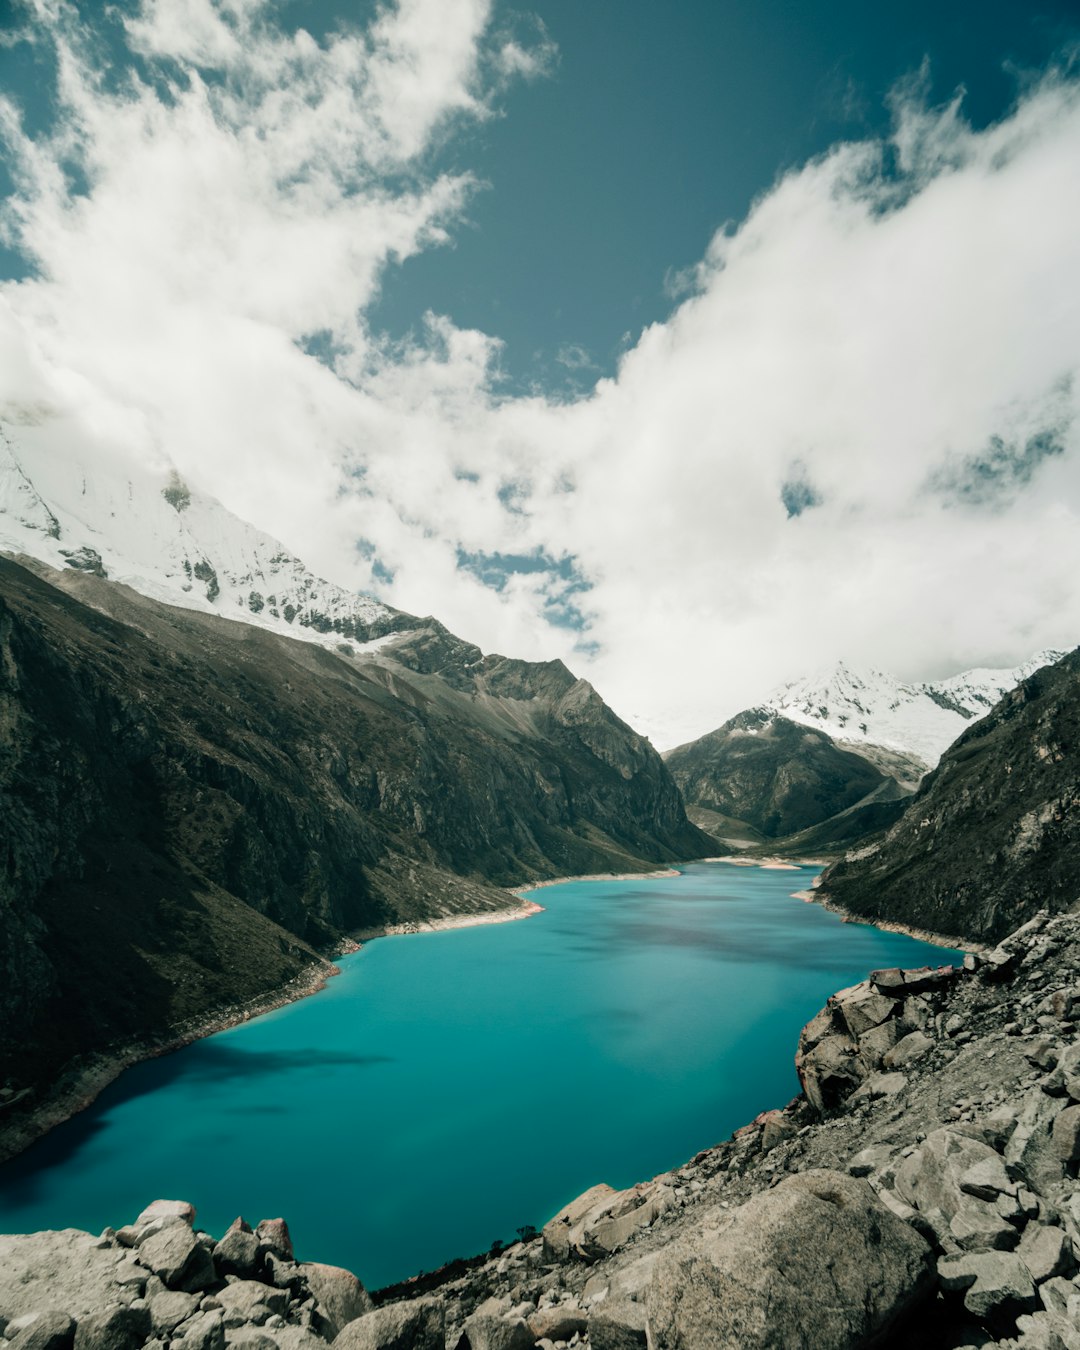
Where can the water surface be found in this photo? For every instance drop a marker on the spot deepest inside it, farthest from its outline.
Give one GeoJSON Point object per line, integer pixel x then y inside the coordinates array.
{"type": "Point", "coordinates": [450, 1087]}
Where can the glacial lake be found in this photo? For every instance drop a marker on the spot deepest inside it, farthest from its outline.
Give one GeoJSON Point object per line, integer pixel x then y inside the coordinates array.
{"type": "Point", "coordinates": [450, 1087]}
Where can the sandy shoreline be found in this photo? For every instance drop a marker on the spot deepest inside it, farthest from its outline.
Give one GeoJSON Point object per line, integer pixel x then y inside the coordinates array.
{"type": "Point", "coordinates": [523, 911]}
{"type": "Point", "coordinates": [594, 876]}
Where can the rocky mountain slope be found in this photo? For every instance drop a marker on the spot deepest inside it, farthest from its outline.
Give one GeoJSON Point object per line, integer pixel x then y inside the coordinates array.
{"type": "Point", "coordinates": [193, 810]}
{"type": "Point", "coordinates": [993, 835]}
{"type": "Point", "coordinates": [775, 775]}
{"type": "Point", "coordinates": [904, 728]}
{"type": "Point", "coordinates": [921, 1193]}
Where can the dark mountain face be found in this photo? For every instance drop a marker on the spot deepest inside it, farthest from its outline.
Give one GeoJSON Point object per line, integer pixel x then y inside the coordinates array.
{"type": "Point", "coordinates": [778, 776]}
{"type": "Point", "coordinates": [993, 834]}
{"type": "Point", "coordinates": [190, 808]}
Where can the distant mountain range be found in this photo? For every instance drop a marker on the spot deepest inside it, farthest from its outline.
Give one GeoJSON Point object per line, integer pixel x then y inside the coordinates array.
{"type": "Point", "coordinates": [827, 761]}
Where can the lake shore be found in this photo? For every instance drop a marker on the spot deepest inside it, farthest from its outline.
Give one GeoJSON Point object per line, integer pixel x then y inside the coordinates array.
{"type": "Point", "coordinates": [595, 876]}
{"type": "Point", "coordinates": [523, 911]}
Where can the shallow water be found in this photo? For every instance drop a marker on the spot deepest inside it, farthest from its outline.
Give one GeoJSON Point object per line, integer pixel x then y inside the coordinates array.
{"type": "Point", "coordinates": [449, 1087]}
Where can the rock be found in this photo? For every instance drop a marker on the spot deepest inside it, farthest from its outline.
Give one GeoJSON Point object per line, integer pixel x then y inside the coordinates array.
{"type": "Point", "coordinates": [1047, 1251]}
{"type": "Point", "coordinates": [875, 1043]}
{"type": "Point", "coordinates": [244, 1295]}
{"type": "Point", "coordinates": [880, 1085]}
{"type": "Point", "coordinates": [617, 1324]}
{"type": "Point", "coordinates": [930, 1180]}
{"type": "Point", "coordinates": [238, 1251]}
{"type": "Point", "coordinates": [998, 1286]}
{"type": "Point", "coordinates": [986, 1179]}
{"type": "Point", "coordinates": [57, 1271]}
{"type": "Point", "coordinates": [1031, 1149]}
{"type": "Point", "coordinates": [340, 1296]}
{"type": "Point", "coordinates": [1066, 1134]}
{"type": "Point", "coordinates": [249, 1338]}
{"type": "Point", "coordinates": [204, 1331]}
{"type": "Point", "coordinates": [49, 1331]}
{"type": "Point", "coordinates": [1043, 1054]}
{"type": "Point", "coordinates": [758, 1281]}
{"type": "Point", "coordinates": [273, 1235]}
{"type": "Point", "coordinates": [556, 1232]}
{"type": "Point", "coordinates": [557, 1324]}
{"type": "Point", "coordinates": [178, 1258]}
{"type": "Point", "coordinates": [610, 1234]}
{"type": "Point", "coordinates": [861, 1008]}
{"type": "Point", "coordinates": [173, 1209]}
{"type": "Point", "coordinates": [419, 1325]}
{"type": "Point", "coordinates": [829, 1072]}
{"type": "Point", "coordinates": [776, 1128]}
{"type": "Point", "coordinates": [115, 1328]}
{"type": "Point", "coordinates": [495, 1333]}
{"type": "Point", "coordinates": [869, 1160]}
{"type": "Point", "coordinates": [168, 1308]}
{"type": "Point", "coordinates": [907, 1050]}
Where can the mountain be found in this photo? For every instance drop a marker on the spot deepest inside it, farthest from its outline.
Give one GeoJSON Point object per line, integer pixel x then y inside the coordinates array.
{"type": "Point", "coordinates": [993, 834]}
{"type": "Point", "coordinates": [194, 811]}
{"type": "Point", "coordinates": [777, 776]}
{"type": "Point", "coordinates": [146, 528]}
{"type": "Point", "coordinates": [904, 728]}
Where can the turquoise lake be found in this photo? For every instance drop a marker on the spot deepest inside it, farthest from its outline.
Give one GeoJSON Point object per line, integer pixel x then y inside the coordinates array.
{"type": "Point", "coordinates": [450, 1087]}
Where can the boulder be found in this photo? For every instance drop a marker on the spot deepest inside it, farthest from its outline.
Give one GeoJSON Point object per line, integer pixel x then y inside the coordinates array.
{"type": "Point", "coordinates": [49, 1331]}
{"type": "Point", "coordinates": [495, 1333]}
{"type": "Point", "coordinates": [997, 1286]}
{"type": "Point", "coordinates": [61, 1271]}
{"type": "Point", "coordinates": [204, 1331]}
{"type": "Point", "coordinates": [829, 1072]}
{"type": "Point", "coordinates": [757, 1281]}
{"type": "Point", "coordinates": [340, 1296]}
{"type": "Point", "coordinates": [1047, 1251]}
{"type": "Point", "coordinates": [1031, 1149]}
{"type": "Point", "coordinates": [557, 1324]}
{"type": "Point", "coordinates": [273, 1235]}
{"type": "Point", "coordinates": [161, 1209]}
{"type": "Point", "coordinates": [907, 1050]}
{"type": "Point", "coordinates": [875, 1043]}
{"type": "Point", "coordinates": [1066, 1134]}
{"type": "Point", "coordinates": [862, 1009]}
{"type": "Point", "coordinates": [618, 1324]}
{"type": "Point", "coordinates": [168, 1307]}
{"type": "Point", "coordinates": [556, 1232]}
{"type": "Point", "coordinates": [242, 1296]}
{"type": "Point", "coordinates": [419, 1325]}
{"type": "Point", "coordinates": [238, 1251]}
{"type": "Point", "coordinates": [944, 1177]}
{"type": "Point", "coordinates": [178, 1258]}
{"type": "Point", "coordinates": [115, 1328]}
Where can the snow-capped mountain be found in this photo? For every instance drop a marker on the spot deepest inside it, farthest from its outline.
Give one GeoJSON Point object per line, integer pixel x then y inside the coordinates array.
{"type": "Point", "coordinates": [876, 709]}
{"type": "Point", "coordinates": [152, 532]}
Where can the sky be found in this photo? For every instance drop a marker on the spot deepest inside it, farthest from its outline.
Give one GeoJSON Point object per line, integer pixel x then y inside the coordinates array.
{"type": "Point", "coordinates": [698, 345]}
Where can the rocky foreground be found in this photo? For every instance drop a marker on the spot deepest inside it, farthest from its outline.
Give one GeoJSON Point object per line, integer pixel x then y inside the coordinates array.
{"type": "Point", "coordinates": [922, 1191]}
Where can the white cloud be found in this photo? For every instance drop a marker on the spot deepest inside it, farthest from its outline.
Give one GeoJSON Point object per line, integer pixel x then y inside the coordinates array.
{"type": "Point", "coordinates": [881, 317]}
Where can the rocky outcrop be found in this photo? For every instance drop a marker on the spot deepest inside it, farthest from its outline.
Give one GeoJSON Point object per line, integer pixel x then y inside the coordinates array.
{"type": "Point", "coordinates": [777, 776]}
{"type": "Point", "coordinates": [191, 811]}
{"type": "Point", "coordinates": [993, 834]}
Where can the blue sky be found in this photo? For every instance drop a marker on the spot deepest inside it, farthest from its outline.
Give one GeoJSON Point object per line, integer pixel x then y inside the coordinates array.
{"type": "Point", "coordinates": [580, 322]}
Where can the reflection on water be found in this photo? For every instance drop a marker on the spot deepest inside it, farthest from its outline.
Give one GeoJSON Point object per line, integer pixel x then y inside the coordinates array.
{"type": "Point", "coordinates": [450, 1087]}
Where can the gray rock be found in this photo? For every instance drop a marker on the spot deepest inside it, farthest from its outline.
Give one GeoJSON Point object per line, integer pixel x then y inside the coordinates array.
{"type": "Point", "coordinates": [997, 1286]}
{"type": "Point", "coordinates": [758, 1280]}
{"type": "Point", "coordinates": [495, 1333]}
{"type": "Point", "coordinates": [557, 1324]}
{"type": "Point", "coordinates": [908, 1050]}
{"type": "Point", "coordinates": [340, 1296]}
{"type": "Point", "coordinates": [862, 1009]}
{"type": "Point", "coordinates": [161, 1209]}
{"type": "Point", "coordinates": [1066, 1134]}
{"type": "Point", "coordinates": [874, 1044]}
{"type": "Point", "coordinates": [932, 1180]}
{"type": "Point", "coordinates": [1031, 1149]}
{"type": "Point", "coordinates": [115, 1328]}
{"type": "Point", "coordinates": [204, 1331]}
{"type": "Point", "coordinates": [238, 1251]}
{"type": "Point", "coordinates": [829, 1072]}
{"type": "Point", "coordinates": [176, 1256]}
{"type": "Point", "coordinates": [169, 1307]}
{"type": "Point", "coordinates": [419, 1325]}
{"type": "Point", "coordinates": [49, 1331]}
{"type": "Point", "coordinates": [273, 1235]}
{"type": "Point", "coordinates": [1046, 1251]}
{"type": "Point", "coordinates": [869, 1160]}
{"type": "Point", "coordinates": [248, 1338]}
{"type": "Point", "coordinates": [617, 1324]}
{"type": "Point", "coordinates": [244, 1295]}
{"type": "Point", "coordinates": [62, 1271]}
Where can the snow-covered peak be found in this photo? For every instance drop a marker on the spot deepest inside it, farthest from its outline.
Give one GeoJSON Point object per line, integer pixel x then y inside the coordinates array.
{"type": "Point", "coordinates": [875, 708]}
{"type": "Point", "coordinates": [150, 531]}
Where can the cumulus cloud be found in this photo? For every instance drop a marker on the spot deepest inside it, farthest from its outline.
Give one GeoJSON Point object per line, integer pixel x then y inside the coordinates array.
{"type": "Point", "coordinates": [855, 435]}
